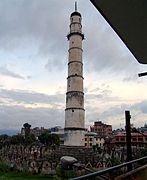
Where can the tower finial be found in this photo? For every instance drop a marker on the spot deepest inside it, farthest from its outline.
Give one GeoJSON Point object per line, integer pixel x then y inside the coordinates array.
{"type": "Point", "coordinates": [76, 6]}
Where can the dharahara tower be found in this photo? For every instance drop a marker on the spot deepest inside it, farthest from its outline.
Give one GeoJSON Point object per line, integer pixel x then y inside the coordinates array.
{"type": "Point", "coordinates": [75, 112]}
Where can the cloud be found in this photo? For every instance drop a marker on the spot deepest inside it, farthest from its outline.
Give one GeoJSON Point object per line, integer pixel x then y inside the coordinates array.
{"type": "Point", "coordinates": [36, 23]}
{"type": "Point", "coordinates": [4, 71]}
{"type": "Point", "coordinates": [13, 117]}
{"type": "Point", "coordinates": [30, 97]}
{"type": "Point", "coordinates": [54, 64]}
{"type": "Point", "coordinates": [141, 106]}
{"type": "Point", "coordinates": [18, 107]}
{"type": "Point", "coordinates": [130, 78]}
{"type": "Point", "coordinates": [101, 93]}
{"type": "Point", "coordinates": [106, 108]}
{"type": "Point", "coordinates": [33, 20]}
{"type": "Point", "coordinates": [29, 77]}
{"type": "Point", "coordinates": [114, 113]}
{"type": "Point", "coordinates": [40, 27]}
{"type": "Point", "coordinates": [116, 117]}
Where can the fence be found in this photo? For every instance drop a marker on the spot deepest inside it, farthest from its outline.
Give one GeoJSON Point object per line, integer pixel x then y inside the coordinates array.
{"type": "Point", "coordinates": [111, 173]}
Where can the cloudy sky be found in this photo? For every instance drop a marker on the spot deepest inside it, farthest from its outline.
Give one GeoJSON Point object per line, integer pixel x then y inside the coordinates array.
{"type": "Point", "coordinates": [33, 67]}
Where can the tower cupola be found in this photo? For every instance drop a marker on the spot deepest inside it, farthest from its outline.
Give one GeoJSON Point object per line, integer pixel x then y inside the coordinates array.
{"type": "Point", "coordinates": [75, 24]}
{"type": "Point", "coordinates": [75, 13]}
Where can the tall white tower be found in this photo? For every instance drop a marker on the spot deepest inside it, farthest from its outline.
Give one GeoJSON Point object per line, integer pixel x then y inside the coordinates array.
{"type": "Point", "coordinates": [74, 112]}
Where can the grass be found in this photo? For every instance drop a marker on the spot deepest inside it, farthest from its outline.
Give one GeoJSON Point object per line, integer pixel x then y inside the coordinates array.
{"type": "Point", "coordinates": [24, 176]}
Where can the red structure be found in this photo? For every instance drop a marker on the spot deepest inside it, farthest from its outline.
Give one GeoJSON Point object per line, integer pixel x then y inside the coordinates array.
{"type": "Point", "coordinates": [102, 130]}
{"type": "Point", "coordinates": [137, 139]}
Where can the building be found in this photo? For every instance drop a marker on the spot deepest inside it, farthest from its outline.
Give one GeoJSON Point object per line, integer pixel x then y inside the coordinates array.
{"type": "Point", "coordinates": [74, 112]}
{"type": "Point", "coordinates": [37, 131]}
{"type": "Point", "coordinates": [60, 133]}
{"type": "Point", "coordinates": [92, 139]}
{"type": "Point", "coordinates": [137, 139]}
{"type": "Point", "coordinates": [102, 130]}
{"type": "Point", "coordinates": [143, 129]}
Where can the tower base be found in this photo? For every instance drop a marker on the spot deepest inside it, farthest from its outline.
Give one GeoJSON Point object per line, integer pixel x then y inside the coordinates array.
{"type": "Point", "coordinates": [74, 137]}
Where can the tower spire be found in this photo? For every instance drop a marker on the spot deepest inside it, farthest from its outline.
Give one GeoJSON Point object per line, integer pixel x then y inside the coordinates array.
{"type": "Point", "coordinates": [75, 5]}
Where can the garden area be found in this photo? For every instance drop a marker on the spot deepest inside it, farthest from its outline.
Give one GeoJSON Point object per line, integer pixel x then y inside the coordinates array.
{"type": "Point", "coordinates": [24, 176]}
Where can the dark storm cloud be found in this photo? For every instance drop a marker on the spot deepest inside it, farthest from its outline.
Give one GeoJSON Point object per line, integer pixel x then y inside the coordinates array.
{"type": "Point", "coordinates": [142, 106]}
{"type": "Point", "coordinates": [4, 71]}
{"type": "Point", "coordinates": [45, 23]}
{"type": "Point", "coordinates": [114, 111]}
{"type": "Point", "coordinates": [103, 48]}
{"type": "Point", "coordinates": [105, 53]}
{"type": "Point", "coordinates": [16, 116]}
{"type": "Point", "coordinates": [117, 112]}
{"type": "Point", "coordinates": [13, 117]}
{"type": "Point", "coordinates": [35, 18]}
{"type": "Point", "coordinates": [31, 97]}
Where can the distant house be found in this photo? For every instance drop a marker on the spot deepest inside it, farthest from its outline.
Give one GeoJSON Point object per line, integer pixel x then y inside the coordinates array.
{"type": "Point", "coordinates": [92, 139]}
{"type": "Point", "coordinates": [38, 131]}
{"type": "Point", "coordinates": [102, 130]}
{"type": "Point", "coordinates": [60, 133]}
{"type": "Point", "coordinates": [137, 139]}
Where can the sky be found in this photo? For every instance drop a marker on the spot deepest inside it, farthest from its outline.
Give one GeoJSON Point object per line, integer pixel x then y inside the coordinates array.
{"type": "Point", "coordinates": [33, 67]}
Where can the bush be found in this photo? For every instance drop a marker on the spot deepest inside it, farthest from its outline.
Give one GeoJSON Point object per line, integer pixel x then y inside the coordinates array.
{"type": "Point", "coordinates": [4, 167]}
{"type": "Point", "coordinates": [64, 174]}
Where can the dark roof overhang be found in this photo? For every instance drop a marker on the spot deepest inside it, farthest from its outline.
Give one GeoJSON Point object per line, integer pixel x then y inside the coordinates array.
{"type": "Point", "coordinates": [128, 18]}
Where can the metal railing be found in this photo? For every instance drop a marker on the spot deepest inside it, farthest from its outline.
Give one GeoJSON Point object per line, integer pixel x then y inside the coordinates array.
{"type": "Point", "coordinates": [109, 170]}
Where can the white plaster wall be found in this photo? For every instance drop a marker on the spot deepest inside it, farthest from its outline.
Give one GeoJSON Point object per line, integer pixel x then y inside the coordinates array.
{"type": "Point", "coordinates": [74, 138]}
{"type": "Point", "coordinates": [74, 118]}
{"type": "Point", "coordinates": [75, 84]}
{"type": "Point", "coordinates": [100, 142]}
{"type": "Point", "coordinates": [75, 18]}
{"type": "Point", "coordinates": [75, 41]}
{"type": "Point", "coordinates": [75, 54]}
{"type": "Point", "coordinates": [76, 27]}
{"type": "Point", "coordinates": [75, 68]}
{"type": "Point", "coordinates": [75, 101]}
{"type": "Point", "coordinates": [88, 142]}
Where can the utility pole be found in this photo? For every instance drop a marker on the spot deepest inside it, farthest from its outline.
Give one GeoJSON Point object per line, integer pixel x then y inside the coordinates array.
{"type": "Point", "coordinates": [128, 138]}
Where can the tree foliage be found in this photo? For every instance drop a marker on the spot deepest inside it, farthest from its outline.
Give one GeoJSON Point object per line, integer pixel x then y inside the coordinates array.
{"type": "Point", "coordinates": [27, 127]}
{"type": "Point", "coordinates": [29, 139]}
{"type": "Point", "coordinates": [49, 139]}
{"type": "Point", "coordinates": [17, 139]}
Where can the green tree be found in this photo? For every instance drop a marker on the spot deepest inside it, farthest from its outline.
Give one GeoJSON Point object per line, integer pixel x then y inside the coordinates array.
{"type": "Point", "coordinates": [27, 127]}
{"type": "Point", "coordinates": [29, 139]}
{"type": "Point", "coordinates": [4, 139]}
{"type": "Point", "coordinates": [49, 139]}
{"type": "Point", "coordinates": [55, 139]}
{"type": "Point", "coordinates": [17, 139]}
{"type": "Point", "coordinates": [44, 138]}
